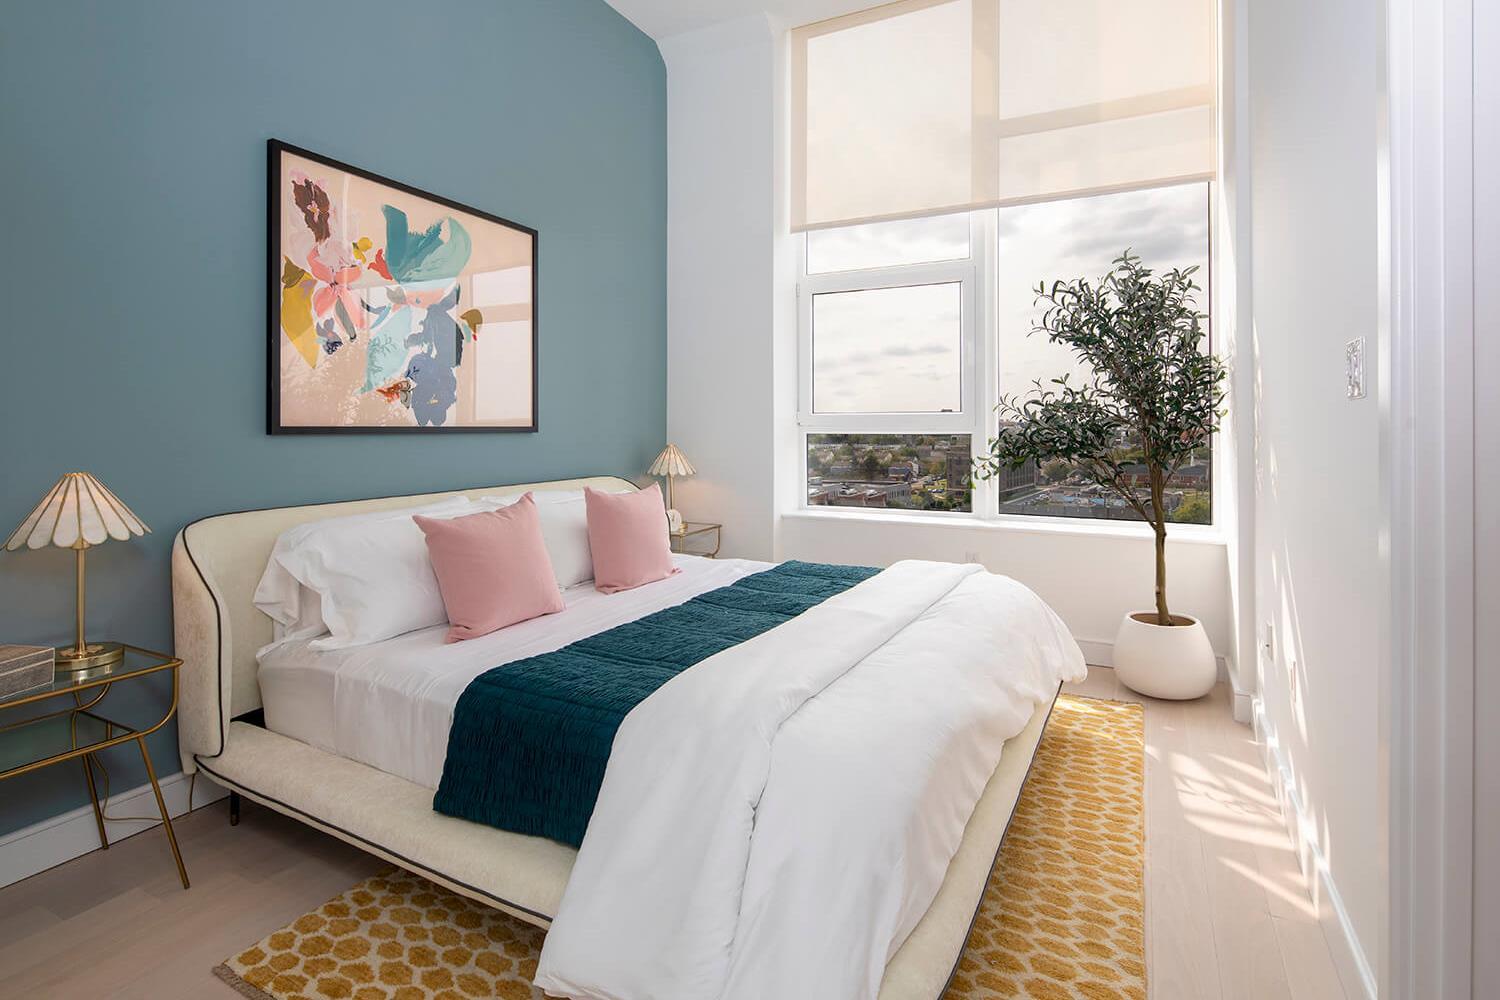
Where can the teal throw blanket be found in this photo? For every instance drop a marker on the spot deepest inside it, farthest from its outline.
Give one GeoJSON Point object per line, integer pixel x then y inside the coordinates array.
{"type": "Point", "coordinates": [531, 739]}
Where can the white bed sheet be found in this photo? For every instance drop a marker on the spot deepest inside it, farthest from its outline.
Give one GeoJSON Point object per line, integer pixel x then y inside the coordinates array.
{"type": "Point", "coordinates": [390, 704]}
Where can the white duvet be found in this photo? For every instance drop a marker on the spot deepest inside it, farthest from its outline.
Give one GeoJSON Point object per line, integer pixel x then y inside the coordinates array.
{"type": "Point", "coordinates": [775, 820]}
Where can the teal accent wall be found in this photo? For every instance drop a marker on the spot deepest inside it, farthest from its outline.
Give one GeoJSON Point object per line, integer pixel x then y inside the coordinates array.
{"type": "Point", "coordinates": [133, 250]}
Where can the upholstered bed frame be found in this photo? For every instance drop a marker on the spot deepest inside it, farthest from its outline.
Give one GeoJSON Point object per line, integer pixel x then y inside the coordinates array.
{"type": "Point", "coordinates": [216, 563]}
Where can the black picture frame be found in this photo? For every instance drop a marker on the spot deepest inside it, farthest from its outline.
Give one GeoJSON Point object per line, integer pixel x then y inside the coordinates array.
{"type": "Point", "coordinates": [276, 343]}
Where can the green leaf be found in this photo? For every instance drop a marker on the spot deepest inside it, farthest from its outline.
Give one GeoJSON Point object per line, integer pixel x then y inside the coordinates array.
{"type": "Point", "coordinates": [1152, 398]}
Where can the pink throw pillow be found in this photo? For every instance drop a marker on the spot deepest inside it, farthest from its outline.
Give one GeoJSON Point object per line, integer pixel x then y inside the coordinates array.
{"type": "Point", "coordinates": [492, 568]}
{"type": "Point", "coordinates": [628, 538]}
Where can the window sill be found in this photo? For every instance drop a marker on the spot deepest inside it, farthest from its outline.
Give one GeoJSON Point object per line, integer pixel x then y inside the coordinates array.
{"type": "Point", "coordinates": [1195, 534]}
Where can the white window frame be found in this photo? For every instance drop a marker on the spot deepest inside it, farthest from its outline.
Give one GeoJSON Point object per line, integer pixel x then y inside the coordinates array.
{"type": "Point", "coordinates": [961, 272]}
{"type": "Point", "coordinates": [980, 346]}
{"type": "Point", "coordinates": [968, 272]}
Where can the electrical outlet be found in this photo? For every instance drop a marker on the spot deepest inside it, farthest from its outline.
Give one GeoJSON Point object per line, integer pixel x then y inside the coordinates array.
{"type": "Point", "coordinates": [1354, 368]}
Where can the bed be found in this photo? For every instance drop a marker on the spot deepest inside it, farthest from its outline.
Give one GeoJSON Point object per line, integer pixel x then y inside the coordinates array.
{"type": "Point", "coordinates": [351, 741]}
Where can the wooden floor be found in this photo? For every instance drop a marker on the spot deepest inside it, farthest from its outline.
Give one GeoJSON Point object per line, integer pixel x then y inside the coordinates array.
{"type": "Point", "coordinates": [1228, 916]}
{"type": "Point", "coordinates": [1227, 910]}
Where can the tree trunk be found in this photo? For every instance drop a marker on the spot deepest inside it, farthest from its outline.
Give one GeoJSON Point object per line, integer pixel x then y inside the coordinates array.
{"type": "Point", "coordinates": [1163, 616]}
{"type": "Point", "coordinates": [1159, 526]}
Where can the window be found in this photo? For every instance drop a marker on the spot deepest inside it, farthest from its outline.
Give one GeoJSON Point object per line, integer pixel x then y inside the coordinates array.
{"type": "Point", "coordinates": [912, 330]}
{"type": "Point", "coordinates": [946, 156]}
{"type": "Point", "coordinates": [888, 328]}
{"type": "Point", "coordinates": [1167, 227]}
{"type": "Point", "coordinates": [896, 349]}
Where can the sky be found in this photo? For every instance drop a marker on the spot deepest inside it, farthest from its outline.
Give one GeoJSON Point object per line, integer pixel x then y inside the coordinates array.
{"type": "Point", "coordinates": [898, 349]}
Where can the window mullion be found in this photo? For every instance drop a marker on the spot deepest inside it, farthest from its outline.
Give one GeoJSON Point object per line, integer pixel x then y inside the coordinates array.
{"type": "Point", "coordinates": [990, 344]}
{"type": "Point", "coordinates": [985, 499]}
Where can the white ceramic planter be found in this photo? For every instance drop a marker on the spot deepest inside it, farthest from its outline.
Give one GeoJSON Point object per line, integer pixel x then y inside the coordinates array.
{"type": "Point", "coordinates": [1164, 661]}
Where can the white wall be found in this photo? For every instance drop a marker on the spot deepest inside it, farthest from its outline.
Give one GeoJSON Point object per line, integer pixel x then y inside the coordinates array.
{"type": "Point", "coordinates": [1233, 331]}
{"type": "Point", "coordinates": [1486, 165]}
{"type": "Point", "coordinates": [1090, 577]}
{"type": "Point", "coordinates": [1322, 578]}
{"type": "Point", "coordinates": [720, 300]}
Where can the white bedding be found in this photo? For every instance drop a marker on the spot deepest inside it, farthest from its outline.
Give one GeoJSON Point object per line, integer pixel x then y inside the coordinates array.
{"type": "Point", "coordinates": [787, 837]}
{"type": "Point", "coordinates": [791, 832]}
{"type": "Point", "coordinates": [390, 704]}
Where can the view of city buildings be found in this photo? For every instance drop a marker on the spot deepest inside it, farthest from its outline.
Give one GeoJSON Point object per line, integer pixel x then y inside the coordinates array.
{"type": "Point", "coordinates": [1062, 491]}
{"type": "Point", "coordinates": [933, 472]}
{"type": "Point", "coordinates": [901, 471]}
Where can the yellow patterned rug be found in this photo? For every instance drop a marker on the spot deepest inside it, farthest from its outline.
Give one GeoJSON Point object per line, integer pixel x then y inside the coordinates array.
{"type": "Point", "coordinates": [1062, 917]}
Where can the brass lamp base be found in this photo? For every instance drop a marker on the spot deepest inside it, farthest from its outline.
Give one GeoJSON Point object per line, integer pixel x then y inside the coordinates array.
{"type": "Point", "coordinates": [96, 657]}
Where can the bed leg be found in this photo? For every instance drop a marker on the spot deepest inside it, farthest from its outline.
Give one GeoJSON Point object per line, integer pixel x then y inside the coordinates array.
{"type": "Point", "coordinates": [234, 808]}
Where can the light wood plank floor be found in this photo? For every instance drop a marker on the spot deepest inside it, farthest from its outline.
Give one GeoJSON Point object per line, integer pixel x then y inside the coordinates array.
{"type": "Point", "coordinates": [1227, 913]}
{"type": "Point", "coordinates": [1227, 909]}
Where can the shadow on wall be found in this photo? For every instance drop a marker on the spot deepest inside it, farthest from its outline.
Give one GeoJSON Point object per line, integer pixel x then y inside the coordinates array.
{"type": "Point", "coordinates": [1283, 672]}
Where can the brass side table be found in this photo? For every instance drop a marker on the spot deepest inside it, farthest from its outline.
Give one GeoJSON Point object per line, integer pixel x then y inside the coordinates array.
{"type": "Point", "coordinates": [697, 537]}
{"type": "Point", "coordinates": [78, 732]}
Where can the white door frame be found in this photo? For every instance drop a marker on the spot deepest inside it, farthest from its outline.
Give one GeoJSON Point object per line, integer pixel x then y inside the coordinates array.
{"type": "Point", "coordinates": [1427, 677]}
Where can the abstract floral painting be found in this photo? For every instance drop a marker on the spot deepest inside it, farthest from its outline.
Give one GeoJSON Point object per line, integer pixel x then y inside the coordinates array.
{"type": "Point", "coordinates": [393, 309]}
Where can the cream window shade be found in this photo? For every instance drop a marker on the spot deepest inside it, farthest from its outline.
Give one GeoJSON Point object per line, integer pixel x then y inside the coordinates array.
{"type": "Point", "coordinates": [929, 106]}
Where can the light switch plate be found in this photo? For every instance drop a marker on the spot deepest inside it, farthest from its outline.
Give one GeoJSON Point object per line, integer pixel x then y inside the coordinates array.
{"type": "Point", "coordinates": [1354, 368]}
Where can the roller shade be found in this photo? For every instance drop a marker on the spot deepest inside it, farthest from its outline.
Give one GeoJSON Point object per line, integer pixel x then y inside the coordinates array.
{"type": "Point", "coordinates": [929, 106]}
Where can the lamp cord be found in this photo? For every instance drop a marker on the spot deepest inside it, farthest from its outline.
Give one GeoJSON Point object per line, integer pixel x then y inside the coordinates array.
{"type": "Point", "coordinates": [92, 759]}
{"type": "Point", "coordinates": [104, 799]}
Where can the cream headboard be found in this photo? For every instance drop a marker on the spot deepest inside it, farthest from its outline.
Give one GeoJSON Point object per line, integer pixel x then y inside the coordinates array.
{"type": "Point", "coordinates": [216, 564]}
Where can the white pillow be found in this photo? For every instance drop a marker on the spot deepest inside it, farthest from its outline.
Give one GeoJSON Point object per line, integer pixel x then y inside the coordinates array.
{"type": "Point", "coordinates": [308, 621]}
{"type": "Point", "coordinates": [369, 572]}
{"type": "Point", "coordinates": [565, 531]}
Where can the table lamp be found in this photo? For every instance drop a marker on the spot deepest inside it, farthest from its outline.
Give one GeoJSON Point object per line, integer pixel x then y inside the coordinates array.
{"type": "Point", "coordinates": [672, 463]}
{"type": "Point", "coordinates": [78, 512]}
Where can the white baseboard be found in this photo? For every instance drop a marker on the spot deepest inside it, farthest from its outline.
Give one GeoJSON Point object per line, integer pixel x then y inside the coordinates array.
{"type": "Point", "coordinates": [1343, 943]}
{"type": "Point", "coordinates": [1096, 652]}
{"type": "Point", "coordinates": [1101, 653]}
{"type": "Point", "coordinates": [1242, 701]}
{"type": "Point", "coordinates": [51, 842]}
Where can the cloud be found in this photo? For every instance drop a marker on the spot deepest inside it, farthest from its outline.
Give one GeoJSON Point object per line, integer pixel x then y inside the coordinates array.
{"type": "Point", "coordinates": [1167, 227]}
{"type": "Point", "coordinates": [913, 350]}
{"type": "Point", "coordinates": [898, 349]}
{"type": "Point", "coordinates": [1160, 247]}
{"type": "Point", "coordinates": [893, 351]}
{"type": "Point", "coordinates": [883, 244]}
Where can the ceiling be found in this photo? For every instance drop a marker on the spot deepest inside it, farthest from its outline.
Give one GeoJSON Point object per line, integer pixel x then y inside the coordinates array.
{"type": "Point", "coordinates": [665, 18]}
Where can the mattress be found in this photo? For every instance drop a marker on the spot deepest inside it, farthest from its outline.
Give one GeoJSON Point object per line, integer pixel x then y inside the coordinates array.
{"type": "Point", "coordinates": [390, 704]}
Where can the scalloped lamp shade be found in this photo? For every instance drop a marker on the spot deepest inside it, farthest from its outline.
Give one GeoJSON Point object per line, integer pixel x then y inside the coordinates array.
{"type": "Point", "coordinates": [77, 513]}
{"type": "Point", "coordinates": [671, 462]}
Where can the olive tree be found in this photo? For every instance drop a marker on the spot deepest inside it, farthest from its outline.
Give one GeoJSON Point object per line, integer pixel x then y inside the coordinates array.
{"type": "Point", "coordinates": [1152, 391]}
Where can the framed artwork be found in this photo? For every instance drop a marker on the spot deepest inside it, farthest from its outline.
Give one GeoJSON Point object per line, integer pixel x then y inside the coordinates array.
{"type": "Point", "coordinates": [392, 309]}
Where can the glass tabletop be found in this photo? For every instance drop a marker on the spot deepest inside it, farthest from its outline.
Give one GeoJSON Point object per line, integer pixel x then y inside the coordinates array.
{"type": "Point", "coordinates": [49, 737]}
{"type": "Point", "coordinates": [696, 528]}
{"type": "Point", "coordinates": [134, 663]}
